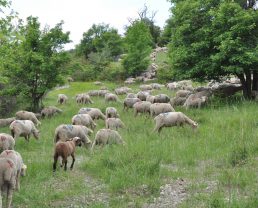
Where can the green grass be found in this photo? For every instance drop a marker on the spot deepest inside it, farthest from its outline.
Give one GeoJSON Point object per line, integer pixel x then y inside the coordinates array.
{"type": "Point", "coordinates": [224, 149]}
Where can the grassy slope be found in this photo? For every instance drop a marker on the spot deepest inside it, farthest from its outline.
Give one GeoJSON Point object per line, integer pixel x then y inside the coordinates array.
{"type": "Point", "coordinates": [226, 130]}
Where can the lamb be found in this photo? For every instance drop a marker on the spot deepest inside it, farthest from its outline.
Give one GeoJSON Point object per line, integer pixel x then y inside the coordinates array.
{"type": "Point", "coordinates": [114, 123]}
{"type": "Point", "coordinates": [129, 102]}
{"type": "Point", "coordinates": [64, 132]}
{"type": "Point", "coordinates": [111, 112]}
{"type": "Point", "coordinates": [23, 128]}
{"type": "Point", "coordinates": [95, 113]}
{"type": "Point", "coordinates": [85, 120]}
{"type": "Point", "coordinates": [8, 176]}
{"type": "Point", "coordinates": [161, 98]}
{"type": "Point", "coordinates": [107, 136]}
{"type": "Point", "coordinates": [172, 86]}
{"type": "Point", "coordinates": [7, 142]}
{"type": "Point", "coordinates": [111, 97]}
{"type": "Point", "coordinates": [172, 119]}
{"type": "Point", "coordinates": [20, 166]}
{"type": "Point", "coordinates": [26, 115]}
{"type": "Point", "coordinates": [157, 108]}
{"type": "Point", "coordinates": [141, 107]}
{"type": "Point", "coordinates": [6, 121]}
{"type": "Point", "coordinates": [195, 101]}
{"type": "Point", "coordinates": [64, 150]}
{"type": "Point", "coordinates": [62, 99]}
{"type": "Point", "coordinates": [50, 111]}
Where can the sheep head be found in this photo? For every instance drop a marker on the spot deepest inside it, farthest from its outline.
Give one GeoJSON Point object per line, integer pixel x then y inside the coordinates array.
{"type": "Point", "coordinates": [23, 170]}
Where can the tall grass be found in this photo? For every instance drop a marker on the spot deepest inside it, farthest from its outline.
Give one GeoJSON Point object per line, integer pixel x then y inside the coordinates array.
{"type": "Point", "coordinates": [224, 149]}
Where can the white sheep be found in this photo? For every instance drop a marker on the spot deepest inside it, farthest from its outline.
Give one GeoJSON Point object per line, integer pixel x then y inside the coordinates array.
{"type": "Point", "coordinates": [7, 142]}
{"type": "Point", "coordinates": [62, 99]}
{"type": "Point", "coordinates": [50, 111]}
{"type": "Point", "coordinates": [129, 102]}
{"type": "Point", "coordinates": [23, 128]}
{"type": "Point", "coordinates": [157, 108]}
{"type": "Point", "coordinates": [26, 115]}
{"type": "Point", "coordinates": [109, 97]}
{"type": "Point", "coordinates": [111, 112]}
{"type": "Point", "coordinates": [161, 98]}
{"type": "Point", "coordinates": [107, 136]}
{"type": "Point", "coordinates": [85, 120]}
{"type": "Point", "coordinates": [173, 119]}
{"type": "Point", "coordinates": [141, 107]}
{"type": "Point", "coordinates": [6, 121]}
{"type": "Point", "coordinates": [95, 113]}
{"type": "Point", "coordinates": [114, 123]}
{"type": "Point", "coordinates": [192, 101]}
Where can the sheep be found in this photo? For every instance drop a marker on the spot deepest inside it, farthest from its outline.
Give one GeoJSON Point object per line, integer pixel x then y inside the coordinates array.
{"type": "Point", "coordinates": [26, 115]}
{"type": "Point", "coordinates": [6, 121]}
{"type": "Point", "coordinates": [83, 99]}
{"type": "Point", "coordinates": [93, 93]}
{"type": "Point", "coordinates": [177, 101]}
{"type": "Point", "coordinates": [172, 119]}
{"type": "Point", "coordinates": [150, 98]}
{"type": "Point", "coordinates": [102, 93]}
{"type": "Point", "coordinates": [145, 87]}
{"type": "Point", "coordinates": [129, 102]}
{"type": "Point", "coordinates": [122, 90]}
{"type": "Point", "coordinates": [107, 136]}
{"type": "Point", "coordinates": [131, 95]}
{"type": "Point", "coordinates": [111, 97]}
{"type": "Point", "coordinates": [98, 83]}
{"type": "Point", "coordinates": [50, 111]}
{"type": "Point", "coordinates": [156, 86]}
{"type": "Point", "coordinates": [20, 166]}
{"type": "Point", "coordinates": [142, 95]}
{"type": "Point", "coordinates": [195, 101]}
{"type": "Point", "coordinates": [183, 93]}
{"type": "Point", "coordinates": [8, 174]}
{"type": "Point", "coordinates": [111, 112]}
{"type": "Point", "coordinates": [23, 128]}
{"type": "Point", "coordinates": [64, 150]}
{"type": "Point", "coordinates": [7, 142]}
{"type": "Point", "coordinates": [62, 99]}
{"type": "Point", "coordinates": [66, 131]}
{"type": "Point", "coordinates": [114, 123]}
{"type": "Point", "coordinates": [95, 113]}
{"type": "Point", "coordinates": [172, 86]}
{"type": "Point", "coordinates": [83, 119]}
{"type": "Point", "coordinates": [157, 108]}
{"type": "Point", "coordinates": [141, 107]}
{"type": "Point", "coordinates": [161, 98]}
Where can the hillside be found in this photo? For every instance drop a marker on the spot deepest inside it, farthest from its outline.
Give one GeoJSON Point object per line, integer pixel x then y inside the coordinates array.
{"type": "Point", "coordinates": [216, 166]}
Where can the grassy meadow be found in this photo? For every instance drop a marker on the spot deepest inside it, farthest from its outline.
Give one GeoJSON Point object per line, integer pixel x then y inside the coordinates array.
{"type": "Point", "coordinates": [223, 151]}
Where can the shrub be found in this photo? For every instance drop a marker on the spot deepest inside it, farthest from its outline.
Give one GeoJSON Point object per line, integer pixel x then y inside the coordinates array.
{"type": "Point", "coordinates": [238, 156]}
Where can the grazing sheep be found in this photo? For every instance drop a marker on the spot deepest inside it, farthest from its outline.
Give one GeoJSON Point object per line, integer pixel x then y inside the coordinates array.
{"type": "Point", "coordinates": [7, 142]}
{"type": "Point", "coordinates": [157, 108]}
{"type": "Point", "coordinates": [85, 120]}
{"type": "Point", "coordinates": [172, 86]}
{"type": "Point", "coordinates": [102, 93]}
{"type": "Point", "coordinates": [64, 150]}
{"type": "Point", "coordinates": [157, 86]}
{"type": "Point", "coordinates": [131, 95]}
{"type": "Point", "coordinates": [122, 90]}
{"type": "Point", "coordinates": [142, 95]}
{"type": "Point", "coordinates": [111, 97]}
{"type": "Point", "coordinates": [50, 111]}
{"type": "Point", "coordinates": [161, 98]}
{"type": "Point", "coordinates": [70, 79]}
{"type": "Point", "coordinates": [26, 115]}
{"type": "Point", "coordinates": [98, 83]}
{"type": "Point", "coordinates": [173, 119]}
{"type": "Point", "coordinates": [20, 166]}
{"type": "Point", "coordinates": [103, 88]}
{"type": "Point", "coordinates": [83, 99]}
{"type": "Point", "coordinates": [114, 123]}
{"type": "Point", "coordinates": [111, 112]}
{"type": "Point", "coordinates": [93, 93]}
{"type": "Point", "coordinates": [129, 102]}
{"type": "Point", "coordinates": [107, 136]}
{"type": "Point", "coordinates": [95, 113]}
{"type": "Point", "coordinates": [145, 87]}
{"type": "Point", "coordinates": [195, 101]}
{"type": "Point", "coordinates": [6, 121]}
{"type": "Point", "coordinates": [23, 128]}
{"type": "Point", "coordinates": [141, 107]}
{"type": "Point", "coordinates": [65, 131]}
{"type": "Point", "coordinates": [62, 99]}
{"type": "Point", "coordinates": [8, 174]}
{"type": "Point", "coordinates": [177, 101]}
{"type": "Point", "coordinates": [183, 93]}
{"type": "Point", "coordinates": [150, 98]}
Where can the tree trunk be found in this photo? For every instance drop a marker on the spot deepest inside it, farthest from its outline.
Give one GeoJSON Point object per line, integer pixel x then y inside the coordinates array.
{"type": "Point", "coordinates": [246, 82]}
{"type": "Point", "coordinates": [255, 81]}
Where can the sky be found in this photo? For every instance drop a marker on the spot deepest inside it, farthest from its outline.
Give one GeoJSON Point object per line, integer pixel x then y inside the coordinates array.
{"type": "Point", "coordinates": [80, 15]}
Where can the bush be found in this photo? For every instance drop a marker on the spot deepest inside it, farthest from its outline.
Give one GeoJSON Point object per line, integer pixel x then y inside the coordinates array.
{"type": "Point", "coordinates": [113, 72]}
{"type": "Point", "coordinates": [165, 74]}
{"type": "Point", "coordinates": [86, 73]}
{"type": "Point", "coordinates": [238, 156]}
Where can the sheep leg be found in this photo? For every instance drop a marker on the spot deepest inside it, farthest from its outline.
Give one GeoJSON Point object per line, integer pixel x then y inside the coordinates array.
{"type": "Point", "coordinates": [18, 181]}
{"type": "Point", "coordinates": [0, 198]}
{"type": "Point", "coordinates": [65, 163]}
{"type": "Point", "coordinates": [55, 161]}
{"type": "Point", "coordinates": [9, 197]}
{"type": "Point", "coordinates": [73, 161]}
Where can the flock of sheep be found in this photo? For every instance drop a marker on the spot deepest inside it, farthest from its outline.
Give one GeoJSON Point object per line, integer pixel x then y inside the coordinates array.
{"type": "Point", "coordinates": [68, 136]}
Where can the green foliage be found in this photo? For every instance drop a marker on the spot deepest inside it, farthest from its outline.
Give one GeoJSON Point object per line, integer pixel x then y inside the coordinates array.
{"type": "Point", "coordinates": [138, 42]}
{"type": "Point", "coordinates": [238, 156]}
{"type": "Point", "coordinates": [36, 66]}
{"type": "Point", "coordinates": [112, 72]}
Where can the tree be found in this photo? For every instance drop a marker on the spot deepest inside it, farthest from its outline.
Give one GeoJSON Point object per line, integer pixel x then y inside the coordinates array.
{"type": "Point", "coordinates": [212, 39]}
{"type": "Point", "coordinates": [98, 38]}
{"type": "Point", "coordinates": [40, 59]}
{"type": "Point", "coordinates": [138, 44]}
